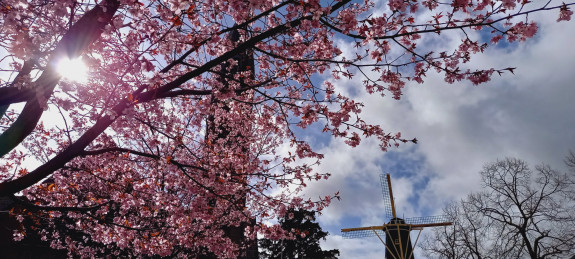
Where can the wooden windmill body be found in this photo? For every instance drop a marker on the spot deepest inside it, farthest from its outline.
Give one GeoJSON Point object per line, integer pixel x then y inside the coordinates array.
{"type": "Point", "coordinates": [397, 231]}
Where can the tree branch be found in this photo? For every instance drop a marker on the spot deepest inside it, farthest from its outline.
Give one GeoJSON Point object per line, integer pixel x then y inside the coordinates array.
{"type": "Point", "coordinates": [83, 33]}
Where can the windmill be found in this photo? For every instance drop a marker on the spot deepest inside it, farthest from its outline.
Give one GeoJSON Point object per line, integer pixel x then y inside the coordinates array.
{"type": "Point", "coordinates": [397, 230]}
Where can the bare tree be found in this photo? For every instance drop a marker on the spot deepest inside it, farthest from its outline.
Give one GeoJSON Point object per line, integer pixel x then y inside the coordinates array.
{"type": "Point", "coordinates": [521, 213]}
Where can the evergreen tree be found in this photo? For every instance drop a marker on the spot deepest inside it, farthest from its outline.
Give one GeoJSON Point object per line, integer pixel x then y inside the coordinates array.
{"type": "Point", "coordinates": [306, 237]}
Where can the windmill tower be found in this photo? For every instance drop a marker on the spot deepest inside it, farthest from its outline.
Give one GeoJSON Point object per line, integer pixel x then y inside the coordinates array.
{"type": "Point", "coordinates": [397, 231]}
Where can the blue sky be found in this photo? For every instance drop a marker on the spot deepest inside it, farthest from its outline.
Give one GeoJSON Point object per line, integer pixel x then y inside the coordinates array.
{"type": "Point", "coordinates": [460, 128]}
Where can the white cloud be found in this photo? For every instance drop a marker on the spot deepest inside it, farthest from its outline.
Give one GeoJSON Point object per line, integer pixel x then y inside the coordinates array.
{"type": "Point", "coordinates": [355, 248]}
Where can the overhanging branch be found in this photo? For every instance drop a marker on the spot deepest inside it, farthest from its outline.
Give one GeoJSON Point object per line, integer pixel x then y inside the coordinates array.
{"type": "Point", "coordinates": [83, 33]}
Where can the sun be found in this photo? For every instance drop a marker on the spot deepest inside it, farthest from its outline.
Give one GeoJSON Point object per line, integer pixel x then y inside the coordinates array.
{"type": "Point", "coordinates": [73, 69]}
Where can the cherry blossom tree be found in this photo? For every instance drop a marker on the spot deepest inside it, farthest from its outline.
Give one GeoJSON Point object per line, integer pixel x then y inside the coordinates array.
{"type": "Point", "coordinates": [173, 138]}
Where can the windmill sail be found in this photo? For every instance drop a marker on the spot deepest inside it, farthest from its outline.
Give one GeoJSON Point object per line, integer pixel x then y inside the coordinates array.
{"type": "Point", "coordinates": [363, 233]}
{"type": "Point", "coordinates": [387, 196]}
{"type": "Point", "coordinates": [396, 232]}
{"type": "Point", "coordinates": [429, 221]}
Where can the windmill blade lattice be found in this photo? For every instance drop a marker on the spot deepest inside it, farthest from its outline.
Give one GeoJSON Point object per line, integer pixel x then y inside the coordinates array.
{"type": "Point", "coordinates": [363, 233]}
{"type": "Point", "coordinates": [386, 196]}
{"type": "Point", "coordinates": [427, 220]}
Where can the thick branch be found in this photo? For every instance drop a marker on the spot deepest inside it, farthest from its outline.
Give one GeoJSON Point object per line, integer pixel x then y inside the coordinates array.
{"type": "Point", "coordinates": [14, 186]}
{"type": "Point", "coordinates": [87, 30]}
{"type": "Point", "coordinates": [28, 205]}
{"type": "Point", "coordinates": [242, 25]}
{"type": "Point", "coordinates": [135, 152]}
{"type": "Point", "coordinates": [244, 46]}
{"type": "Point", "coordinates": [9, 95]}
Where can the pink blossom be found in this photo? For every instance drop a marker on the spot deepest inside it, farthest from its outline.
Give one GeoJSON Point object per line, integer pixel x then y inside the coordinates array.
{"type": "Point", "coordinates": [564, 13]}
{"type": "Point", "coordinates": [496, 39]}
{"type": "Point", "coordinates": [430, 4]}
{"type": "Point", "coordinates": [397, 5]}
{"type": "Point", "coordinates": [510, 4]}
{"type": "Point", "coordinates": [460, 4]}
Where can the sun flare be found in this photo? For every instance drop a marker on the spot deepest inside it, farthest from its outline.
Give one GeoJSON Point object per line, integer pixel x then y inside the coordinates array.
{"type": "Point", "coordinates": [73, 69]}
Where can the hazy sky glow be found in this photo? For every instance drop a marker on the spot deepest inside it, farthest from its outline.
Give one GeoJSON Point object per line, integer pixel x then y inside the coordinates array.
{"type": "Point", "coordinates": [73, 69]}
{"type": "Point", "coordinates": [460, 127]}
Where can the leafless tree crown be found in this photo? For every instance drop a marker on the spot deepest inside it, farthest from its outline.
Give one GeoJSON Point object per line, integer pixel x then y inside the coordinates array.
{"type": "Point", "coordinates": [521, 213]}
